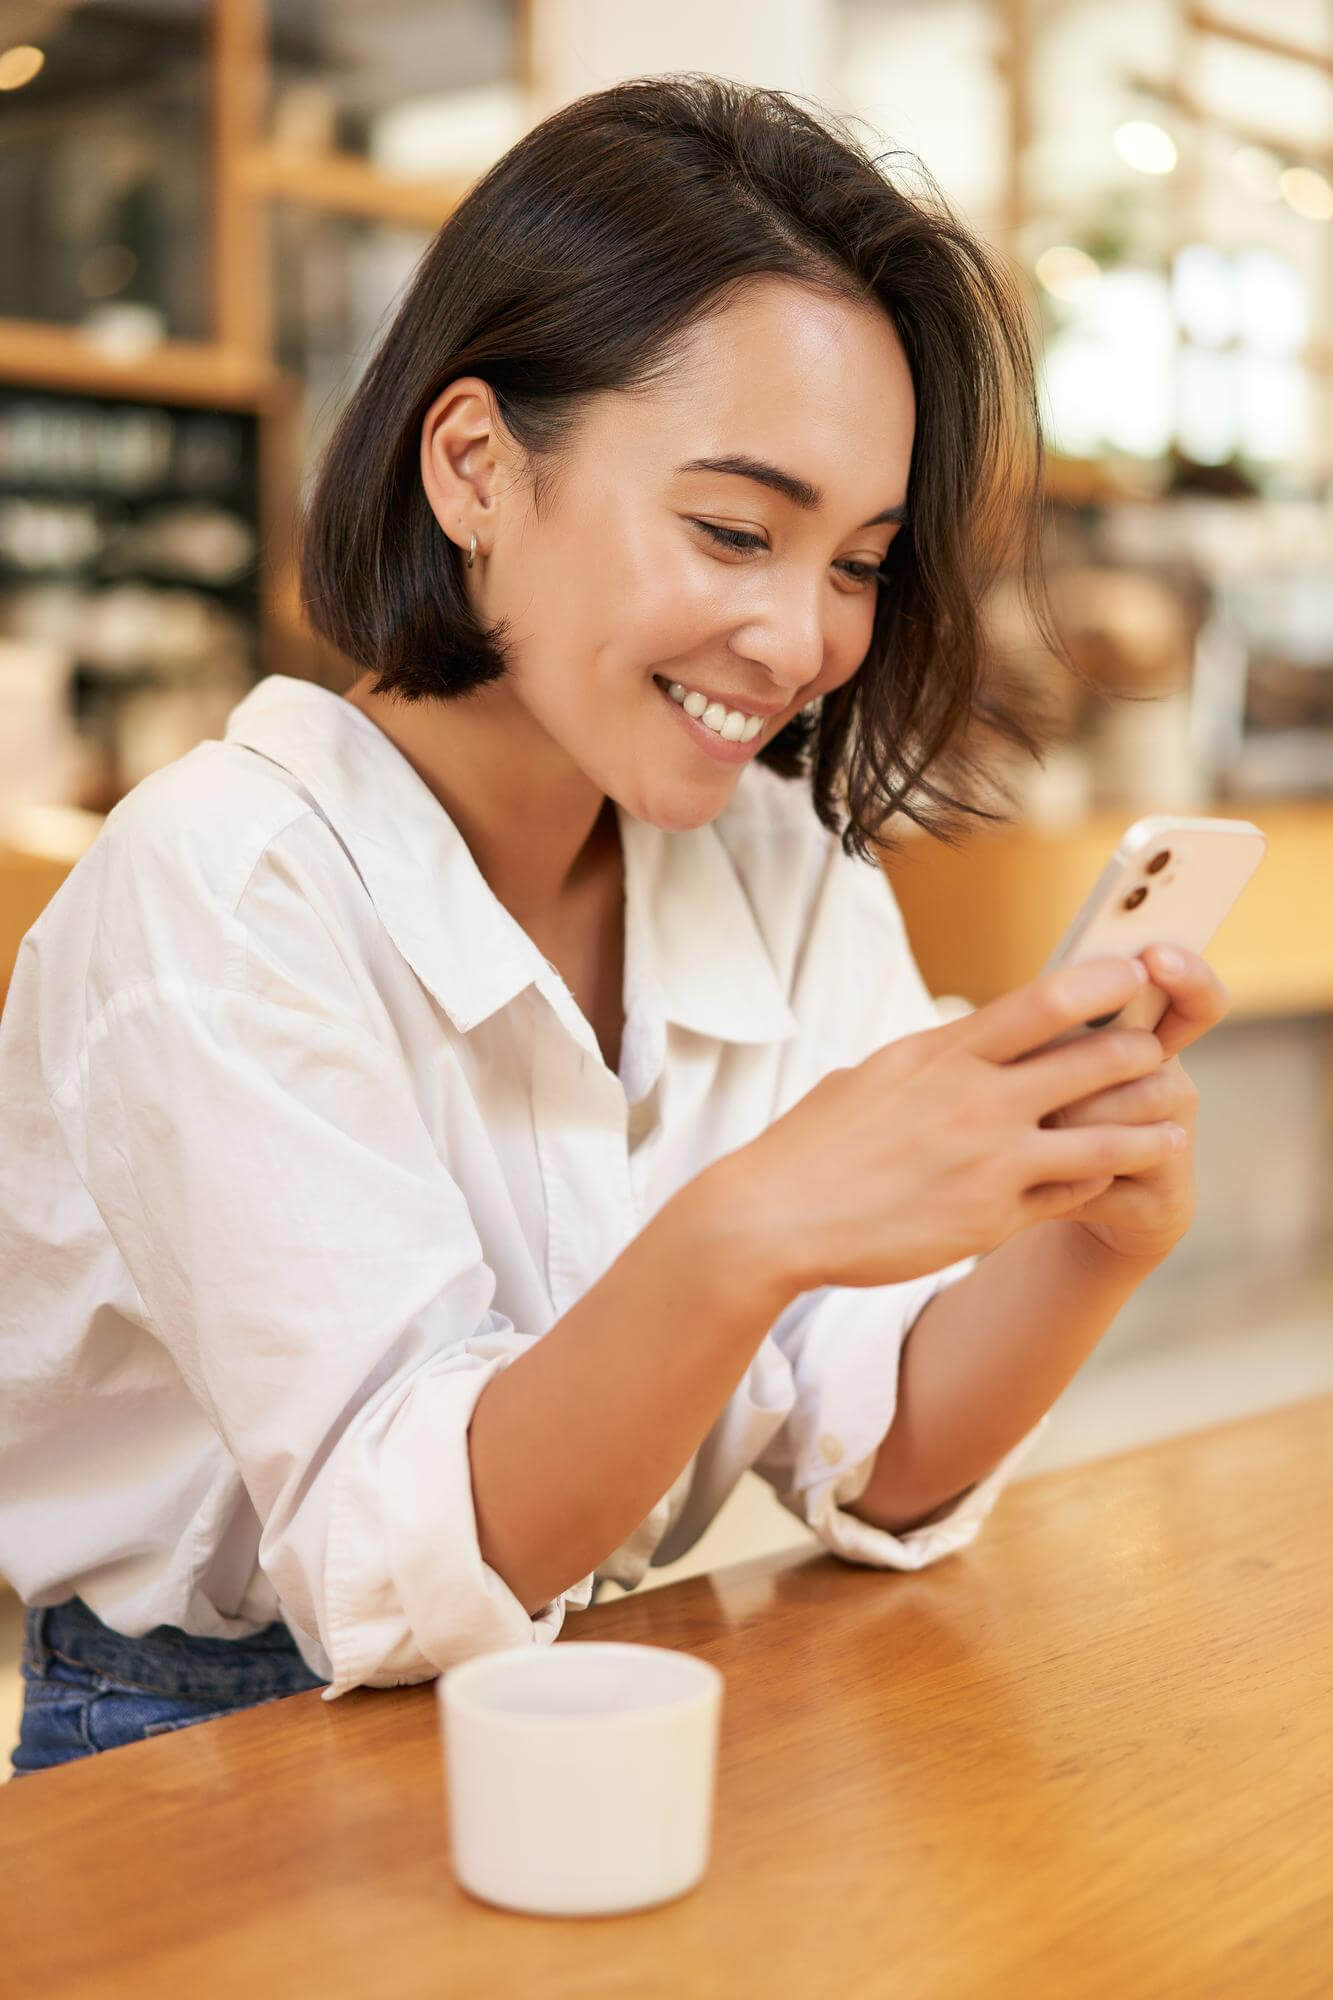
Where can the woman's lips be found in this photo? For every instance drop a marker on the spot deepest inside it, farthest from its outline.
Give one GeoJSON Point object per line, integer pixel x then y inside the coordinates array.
{"type": "Point", "coordinates": [708, 740]}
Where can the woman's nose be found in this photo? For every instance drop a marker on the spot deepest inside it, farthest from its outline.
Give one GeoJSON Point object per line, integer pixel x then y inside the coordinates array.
{"type": "Point", "coordinates": [786, 635]}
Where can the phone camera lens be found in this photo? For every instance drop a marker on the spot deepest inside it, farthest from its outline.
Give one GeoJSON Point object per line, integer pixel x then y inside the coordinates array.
{"type": "Point", "coordinates": [1158, 861]}
{"type": "Point", "coordinates": [1135, 897]}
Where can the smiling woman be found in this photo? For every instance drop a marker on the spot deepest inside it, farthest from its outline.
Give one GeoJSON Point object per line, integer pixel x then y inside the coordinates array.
{"type": "Point", "coordinates": [749, 586]}
{"type": "Point", "coordinates": [711, 401]}
{"type": "Point", "coordinates": [460, 1127]}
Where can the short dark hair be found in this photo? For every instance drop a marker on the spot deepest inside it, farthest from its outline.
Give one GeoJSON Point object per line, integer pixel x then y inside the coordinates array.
{"type": "Point", "coordinates": [574, 266]}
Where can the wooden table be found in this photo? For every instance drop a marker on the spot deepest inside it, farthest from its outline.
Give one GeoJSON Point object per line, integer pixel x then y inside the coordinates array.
{"type": "Point", "coordinates": [1091, 1756]}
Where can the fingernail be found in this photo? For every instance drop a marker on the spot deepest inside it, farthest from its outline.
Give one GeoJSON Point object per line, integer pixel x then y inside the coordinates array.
{"type": "Point", "coordinates": [1177, 1136]}
{"type": "Point", "coordinates": [1168, 958]}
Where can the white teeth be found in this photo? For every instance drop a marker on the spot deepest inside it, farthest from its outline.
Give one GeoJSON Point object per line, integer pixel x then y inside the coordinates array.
{"type": "Point", "coordinates": [731, 724]}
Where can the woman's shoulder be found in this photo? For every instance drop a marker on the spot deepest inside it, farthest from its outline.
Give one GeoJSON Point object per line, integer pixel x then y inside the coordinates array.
{"type": "Point", "coordinates": [165, 892]}
{"type": "Point", "coordinates": [207, 819]}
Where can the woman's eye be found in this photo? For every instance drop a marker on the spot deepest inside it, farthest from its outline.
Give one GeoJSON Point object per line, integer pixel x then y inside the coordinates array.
{"type": "Point", "coordinates": [731, 538]}
{"type": "Point", "coordinates": [862, 573]}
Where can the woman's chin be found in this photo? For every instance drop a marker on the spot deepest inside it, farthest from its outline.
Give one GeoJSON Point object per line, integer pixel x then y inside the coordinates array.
{"type": "Point", "coordinates": [682, 807]}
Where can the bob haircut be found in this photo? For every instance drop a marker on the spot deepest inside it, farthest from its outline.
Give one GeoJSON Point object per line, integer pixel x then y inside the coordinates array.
{"type": "Point", "coordinates": [576, 265]}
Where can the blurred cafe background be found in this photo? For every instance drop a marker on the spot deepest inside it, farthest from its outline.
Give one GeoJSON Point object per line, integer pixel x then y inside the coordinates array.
{"type": "Point", "coordinates": [208, 211]}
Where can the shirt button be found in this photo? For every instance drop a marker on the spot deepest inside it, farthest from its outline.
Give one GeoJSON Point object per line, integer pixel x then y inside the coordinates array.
{"type": "Point", "coordinates": [830, 1448]}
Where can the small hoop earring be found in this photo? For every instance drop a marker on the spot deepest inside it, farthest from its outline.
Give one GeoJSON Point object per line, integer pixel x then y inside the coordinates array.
{"type": "Point", "coordinates": [472, 549]}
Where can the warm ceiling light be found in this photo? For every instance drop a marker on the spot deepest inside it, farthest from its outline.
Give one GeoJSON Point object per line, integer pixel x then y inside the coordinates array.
{"type": "Point", "coordinates": [1308, 193]}
{"type": "Point", "coordinates": [19, 66]}
{"type": "Point", "coordinates": [1146, 147]}
{"type": "Point", "coordinates": [1066, 272]}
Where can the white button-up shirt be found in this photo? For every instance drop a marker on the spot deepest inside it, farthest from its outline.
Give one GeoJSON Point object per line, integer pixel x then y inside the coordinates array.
{"type": "Point", "coordinates": [304, 1140]}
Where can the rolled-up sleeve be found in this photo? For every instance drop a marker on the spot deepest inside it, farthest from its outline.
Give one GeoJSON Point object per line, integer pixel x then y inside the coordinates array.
{"type": "Point", "coordinates": [844, 1348]}
{"type": "Point", "coordinates": [311, 1265]}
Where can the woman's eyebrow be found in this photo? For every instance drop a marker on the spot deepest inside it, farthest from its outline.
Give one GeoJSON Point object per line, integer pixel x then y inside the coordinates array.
{"type": "Point", "coordinates": [799, 491]}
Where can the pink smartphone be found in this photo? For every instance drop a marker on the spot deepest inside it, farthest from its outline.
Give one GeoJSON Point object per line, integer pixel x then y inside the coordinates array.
{"type": "Point", "coordinates": [1170, 881]}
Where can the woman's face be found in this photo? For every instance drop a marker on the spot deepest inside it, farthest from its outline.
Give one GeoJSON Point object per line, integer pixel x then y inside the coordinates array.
{"type": "Point", "coordinates": [665, 552]}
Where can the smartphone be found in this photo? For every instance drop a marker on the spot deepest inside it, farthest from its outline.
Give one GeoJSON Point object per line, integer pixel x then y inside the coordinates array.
{"type": "Point", "coordinates": [1170, 881]}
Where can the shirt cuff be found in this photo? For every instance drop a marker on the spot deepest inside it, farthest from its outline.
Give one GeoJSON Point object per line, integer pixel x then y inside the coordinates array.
{"type": "Point", "coordinates": [407, 1591]}
{"type": "Point", "coordinates": [855, 1540]}
{"type": "Point", "coordinates": [847, 1371]}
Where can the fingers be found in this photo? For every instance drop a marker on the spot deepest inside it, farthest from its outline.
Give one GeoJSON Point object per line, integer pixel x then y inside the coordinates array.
{"type": "Point", "coordinates": [1052, 1198]}
{"type": "Point", "coordinates": [1091, 1065]}
{"type": "Point", "coordinates": [1032, 1015]}
{"type": "Point", "coordinates": [1090, 1152]}
{"type": "Point", "coordinates": [1168, 1092]}
{"type": "Point", "coordinates": [1197, 997]}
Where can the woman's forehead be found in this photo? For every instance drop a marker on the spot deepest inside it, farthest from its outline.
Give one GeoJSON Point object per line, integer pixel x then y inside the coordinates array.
{"type": "Point", "coordinates": [804, 380]}
{"type": "Point", "coordinates": [789, 331]}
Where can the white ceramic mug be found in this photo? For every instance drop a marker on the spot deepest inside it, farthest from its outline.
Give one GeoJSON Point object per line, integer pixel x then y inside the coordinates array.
{"type": "Point", "coordinates": [580, 1775]}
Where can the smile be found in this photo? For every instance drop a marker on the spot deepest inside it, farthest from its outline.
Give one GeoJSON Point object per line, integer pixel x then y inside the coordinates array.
{"type": "Point", "coordinates": [734, 724]}
{"type": "Point", "coordinates": [733, 748]}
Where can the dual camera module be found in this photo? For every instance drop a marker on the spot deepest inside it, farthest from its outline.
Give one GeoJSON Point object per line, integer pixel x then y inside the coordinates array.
{"type": "Point", "coordinates": [1138, 894]}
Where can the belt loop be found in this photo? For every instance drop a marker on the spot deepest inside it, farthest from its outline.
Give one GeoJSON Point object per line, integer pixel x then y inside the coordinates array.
{"type": "Point", "coordinates": [35, 1651]}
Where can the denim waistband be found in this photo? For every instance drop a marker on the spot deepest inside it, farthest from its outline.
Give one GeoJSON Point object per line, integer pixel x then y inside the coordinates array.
{"type": "Point", "coordinates": [168, 1661]}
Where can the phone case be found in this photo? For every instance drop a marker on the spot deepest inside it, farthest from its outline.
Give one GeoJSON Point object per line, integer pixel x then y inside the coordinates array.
{"type": "Point", "coordinates": [1141, 899]}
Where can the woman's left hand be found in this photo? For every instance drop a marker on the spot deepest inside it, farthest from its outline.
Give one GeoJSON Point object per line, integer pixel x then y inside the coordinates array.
{"type": "Point", "coordinates": [1143, 1216]}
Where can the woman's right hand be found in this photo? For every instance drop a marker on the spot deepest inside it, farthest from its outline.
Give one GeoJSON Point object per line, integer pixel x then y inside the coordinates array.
{"type": "Point", "coordinates": [933, 1148]}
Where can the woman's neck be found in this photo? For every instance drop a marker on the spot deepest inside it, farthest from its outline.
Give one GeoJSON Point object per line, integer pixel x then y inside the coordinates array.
{"type": "Point", "coordinates": [539, 842]}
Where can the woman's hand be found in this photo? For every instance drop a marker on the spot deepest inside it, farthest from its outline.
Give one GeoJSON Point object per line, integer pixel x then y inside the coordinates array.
{"type": "Point", "coordinates": [1143, 1215]}
{"type": "Point", "coordinates": [941, 1144]}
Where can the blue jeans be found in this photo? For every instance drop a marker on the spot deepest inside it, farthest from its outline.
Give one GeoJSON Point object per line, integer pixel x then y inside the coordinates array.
{"type": "Point", "coordinates": [88, 1688]}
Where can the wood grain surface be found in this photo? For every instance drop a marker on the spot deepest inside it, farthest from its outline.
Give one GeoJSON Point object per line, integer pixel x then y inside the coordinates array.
{"type": "Point", "coordinates": [1090, 1756]}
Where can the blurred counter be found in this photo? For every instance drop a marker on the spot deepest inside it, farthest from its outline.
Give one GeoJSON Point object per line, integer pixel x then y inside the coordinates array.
{"type": "Point", "coordinates": [985, 918]}
{"type": "Point", "coordinates": [38, 847]}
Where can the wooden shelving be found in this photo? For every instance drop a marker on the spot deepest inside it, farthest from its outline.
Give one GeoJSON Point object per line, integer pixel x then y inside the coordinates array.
{"type": "Point", "coordinates": [174, 371]}
{"type": "Point", "coordinates": [1204, 21]}
{"type": "Point", "coordinates": [342, 184]}
{"type": "Point", "coordinates": [236, 368]}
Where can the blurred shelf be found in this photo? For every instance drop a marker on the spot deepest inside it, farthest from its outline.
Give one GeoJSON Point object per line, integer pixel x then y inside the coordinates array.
{"type": "Point", "coordinates": [1094, 482]}
{"type": "Point", "coordinates": [1207, 21]}
{"type": "Point", "coordinates": [345, 184]}
{"type": "Point", "coordinates": [985, 918]}
{"type": "Point", "coordinates": [1194, 108]}
{"type": "Point", "coordinates": [174, 371]}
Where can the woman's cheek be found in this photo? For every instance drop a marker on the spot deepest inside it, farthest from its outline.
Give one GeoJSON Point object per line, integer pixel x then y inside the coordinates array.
{"type": "Point", "coordinates": [681, 610]}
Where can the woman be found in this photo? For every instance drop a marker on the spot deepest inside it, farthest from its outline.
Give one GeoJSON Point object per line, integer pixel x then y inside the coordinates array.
{"type": "Point", "coordinates": [458, 1128]}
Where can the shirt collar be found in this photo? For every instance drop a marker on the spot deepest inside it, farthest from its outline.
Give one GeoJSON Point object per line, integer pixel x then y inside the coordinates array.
{"type": "Point", "coordinates": [690, 931]}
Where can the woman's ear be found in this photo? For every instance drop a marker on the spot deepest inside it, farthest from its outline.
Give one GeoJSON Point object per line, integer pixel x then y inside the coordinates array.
{"type": "Point", "coordinates": [468, 461]}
